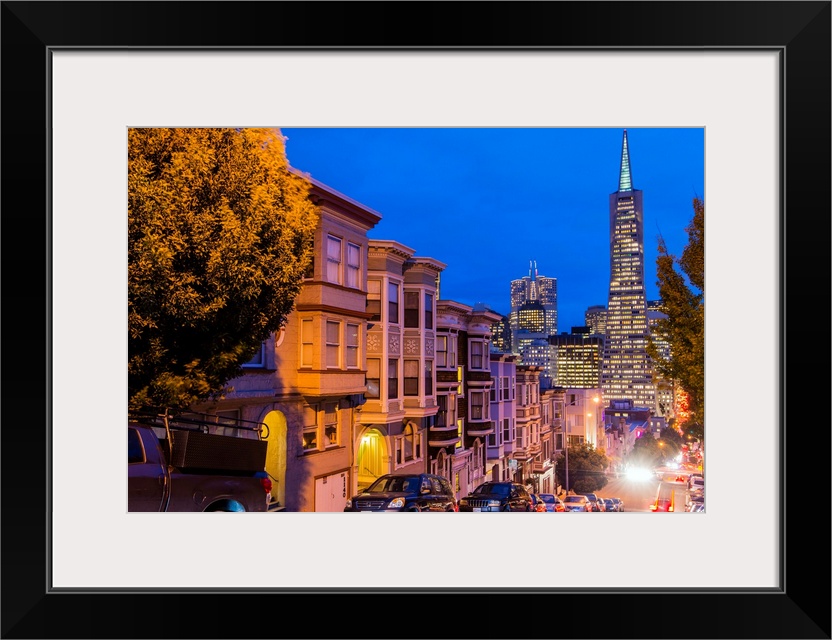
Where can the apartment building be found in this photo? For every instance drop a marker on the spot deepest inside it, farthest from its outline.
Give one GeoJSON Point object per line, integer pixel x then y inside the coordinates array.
{"type": "Point", "coordinates": [307, 383]}
{"type": "Point", "coordinates": [458, 440]}
{"type": "Point", "coordinates": [392, 426]}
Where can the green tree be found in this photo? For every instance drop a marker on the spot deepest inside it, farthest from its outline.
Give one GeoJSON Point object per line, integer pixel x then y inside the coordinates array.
{"type": "Point", "coordinates": [219, 235]}
{"type": "Point", "coordinates": [586, 469]}
{"type": "Point", "coordinates": [683, 297]}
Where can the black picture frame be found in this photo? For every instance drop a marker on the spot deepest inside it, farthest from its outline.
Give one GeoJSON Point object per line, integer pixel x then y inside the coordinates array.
{"type": "Point", "coordinates": [800, 31]}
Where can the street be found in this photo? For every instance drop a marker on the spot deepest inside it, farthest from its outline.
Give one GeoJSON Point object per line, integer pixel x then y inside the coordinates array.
{"type": "Point", "coordinates": [637, 495]}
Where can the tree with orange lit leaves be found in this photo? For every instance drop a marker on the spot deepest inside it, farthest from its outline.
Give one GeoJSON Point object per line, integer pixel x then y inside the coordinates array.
{"type": "Point", "coordinates": [683, 300]}
{"type": "Point", "coordinates": [219, 235]}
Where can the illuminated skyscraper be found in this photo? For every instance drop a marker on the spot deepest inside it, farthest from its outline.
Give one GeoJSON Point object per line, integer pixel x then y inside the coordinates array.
{"type": "Point", "coordinates": [538, 289]}
{"type": "Point", "coordinates": [626, 369]}
{"type": "Point", "coordinates": [595, 318]}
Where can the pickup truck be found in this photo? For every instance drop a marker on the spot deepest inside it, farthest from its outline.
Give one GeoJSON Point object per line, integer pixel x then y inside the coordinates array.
{"type": "Point", "coordinates": [196, 463]}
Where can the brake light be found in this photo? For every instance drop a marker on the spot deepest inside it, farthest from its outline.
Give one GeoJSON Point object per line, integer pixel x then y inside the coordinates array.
{"type": "Point", "coordinates": [267, 484]}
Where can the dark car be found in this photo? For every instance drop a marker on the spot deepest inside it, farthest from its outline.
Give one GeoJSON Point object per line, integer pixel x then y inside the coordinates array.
{"type": "Point", "coordinates": [609, 504]}
{"type": "Point", "coordinates": [497, 496]}
{"type": "Point", "coordinates": [411, 492]}
{"type": "Point", "coordinates": [619, 504]}
{"type": "Point", "coordinates": [597, 504]}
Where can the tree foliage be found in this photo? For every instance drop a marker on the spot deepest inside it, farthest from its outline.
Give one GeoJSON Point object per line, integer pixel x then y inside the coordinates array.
{"type": "Point", "coordinates": [219, 235]}
{"type": "Point", "coordinates": [586, 467]}
{"type": "Point", "coordinates": [683, 297]}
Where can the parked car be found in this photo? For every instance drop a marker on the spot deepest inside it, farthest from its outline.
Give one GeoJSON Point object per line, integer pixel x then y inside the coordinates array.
{"type": "Point", "coordinates": [697, 484]}
{"type": "Point", "coordinates": [577, 503]}
{"type": "Point", "coordinates": [497, 496]}
{"type": "Point", "coordinates": [410, 492]}
{"type": "Point", "coordinates": [696, 507]}
{"type": "Point", "coordinates": [552, 502]}
{"type": "Point", "coordinates": [609, 505]}
{"type": "Point", "coordinates": [619, 504]}
{"type": "Point", "coordinates": [595, 501]}
{"type": "Point", "coordinates": [537, 503]}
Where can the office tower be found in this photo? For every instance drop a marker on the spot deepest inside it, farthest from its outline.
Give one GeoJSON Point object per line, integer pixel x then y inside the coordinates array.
{"type": "Point", "coordinates": [501, 335]}
{"type": "Point", "coordinates": [626, 369]}
{"type": "Point", "coordinates": [576, 359]}
{"type": "Point", "coordinates": [537, 289]}
{"type": "Point", "coordinates": [596, 319]}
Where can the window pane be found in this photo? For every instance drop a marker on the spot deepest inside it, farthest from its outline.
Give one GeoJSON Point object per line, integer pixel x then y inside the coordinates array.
{"type": "Point", "coordinates": [333, 259]}
{"type": "Point", "coordinates": [393, 303]}
{"type": "Point", "coordinates": [373, 377]}
{"type": "Point", "coordinates": [307, 346]}
{"type": "Point", "coordinates": [411, 377]}
{"type": "Point", "coordinates": [428, 311]}
{"type": "Point", "coordinates": [333, 342]}
{"type": "Point", "coordinates": [428, 377]}
{"type": "Point", "coordinates": [353, 265]}
{"type": "Point", "coordinates": [352, 345]}
{"type": "Point", "coordinates": [411, 309]}
{"type": "Point", "coordinates": [441, 351]}
{"type": "Point", "coordinates": [392, 379]}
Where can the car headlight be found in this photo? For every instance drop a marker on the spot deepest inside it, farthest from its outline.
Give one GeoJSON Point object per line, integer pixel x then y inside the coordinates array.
{"type": "Point", "coordinates": [463, 502]}
{"type": "Point", "coordinates": [396, 503]}
{"type": "Point", "coordinates": [349, 504]}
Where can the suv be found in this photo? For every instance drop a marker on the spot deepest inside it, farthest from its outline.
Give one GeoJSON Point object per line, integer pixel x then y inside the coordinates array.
{"type": "Point", "coordinates": [497, 496]}
{"type": "Point", "coordinates": [410, 492]}
{"type": "Point", "coordinates": [597, 503]}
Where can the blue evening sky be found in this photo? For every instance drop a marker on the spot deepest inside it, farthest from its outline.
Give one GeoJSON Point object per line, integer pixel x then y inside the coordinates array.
{"type": "Point", "coordinates": [487, 201]}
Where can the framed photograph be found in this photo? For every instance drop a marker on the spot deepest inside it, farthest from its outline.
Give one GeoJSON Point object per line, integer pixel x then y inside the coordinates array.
{"type": "Point", "coordinates": [76, 75]}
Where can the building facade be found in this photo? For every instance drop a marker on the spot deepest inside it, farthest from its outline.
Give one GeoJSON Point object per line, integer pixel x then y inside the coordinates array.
{"type": "Point", "coordinates": [307, 384]}
{"type": "Point", "coordinates": [595, 318]}
{"type": "Point", "coordinates": [576, 359]}
{"type": "Point", "coordinates": [626, 368]}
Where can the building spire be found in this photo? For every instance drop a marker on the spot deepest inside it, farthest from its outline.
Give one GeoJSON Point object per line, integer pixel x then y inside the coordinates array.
{"type": "Point", "coordinates": [625, 181]}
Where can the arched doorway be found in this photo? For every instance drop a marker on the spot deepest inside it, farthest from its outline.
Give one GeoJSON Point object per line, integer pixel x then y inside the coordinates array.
{"type": "Point", "coordinates": [372, 459]}
{"type": "Point", "coordinates": [276, 454]}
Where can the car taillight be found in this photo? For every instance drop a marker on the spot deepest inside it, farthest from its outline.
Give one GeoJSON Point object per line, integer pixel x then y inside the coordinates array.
{"type": "Point", "coordinates": [267, 484]}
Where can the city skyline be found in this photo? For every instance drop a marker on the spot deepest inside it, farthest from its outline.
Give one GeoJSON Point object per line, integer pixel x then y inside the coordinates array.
{"type": "Point", "coordinates": [476, 199]}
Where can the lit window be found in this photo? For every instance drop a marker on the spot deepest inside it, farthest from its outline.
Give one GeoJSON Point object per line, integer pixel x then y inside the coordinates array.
{"type": "Point", "coordinates": [428, 377]}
